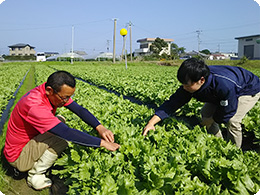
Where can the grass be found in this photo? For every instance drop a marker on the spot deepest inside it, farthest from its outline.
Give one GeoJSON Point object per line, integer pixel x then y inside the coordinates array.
{"type": "Point", "coordinates": [7, 184]}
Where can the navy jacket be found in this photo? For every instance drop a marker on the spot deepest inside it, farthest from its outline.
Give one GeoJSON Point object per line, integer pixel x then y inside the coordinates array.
{"type": "Point", "coordinates": [222, 88]}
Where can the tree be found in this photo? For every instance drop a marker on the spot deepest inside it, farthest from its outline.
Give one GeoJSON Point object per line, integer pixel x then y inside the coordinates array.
{"type": "Point", "coordinates": [206, 51]}
{"type": "Point", "coordinates": [157, 46]}
{"type": "Point", "coordinates": [176, 51]}
{"type": "Point", "coordinates": [181, 50]}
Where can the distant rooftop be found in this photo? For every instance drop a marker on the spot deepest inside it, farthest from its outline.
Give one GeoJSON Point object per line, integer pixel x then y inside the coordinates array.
{"type": "Point", "coordinates": [153, 39]}
{"type": "Point", "coordinates": [20, 45]}
{"type": "Point", "coordinates": [251, 36]}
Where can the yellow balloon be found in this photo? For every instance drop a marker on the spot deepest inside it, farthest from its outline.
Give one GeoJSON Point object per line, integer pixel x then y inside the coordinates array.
{"type": "Point", "coordinates": [123, 32]}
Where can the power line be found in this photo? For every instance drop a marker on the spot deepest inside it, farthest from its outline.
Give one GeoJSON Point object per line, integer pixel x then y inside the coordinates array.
{"type": "Point", "coordinates": [52, 27]}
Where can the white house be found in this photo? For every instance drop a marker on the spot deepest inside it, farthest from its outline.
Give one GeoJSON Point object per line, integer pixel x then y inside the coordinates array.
{"type": "Point", "coordinates": [222, 56]}
{"type": "Point", "coordinates": [147, 42]}
{"type": "Point", "coordinates": [249, 46]}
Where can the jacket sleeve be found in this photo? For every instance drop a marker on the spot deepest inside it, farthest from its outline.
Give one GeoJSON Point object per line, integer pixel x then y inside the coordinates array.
{"type": "Point", "coordinates": [228, 102]}
{"type": "Point", "coordinates": [84, 114]}
{"type": "Point", "coordinates": [75, 135]}
{"type": "Point", "coordinates": [176, 101]}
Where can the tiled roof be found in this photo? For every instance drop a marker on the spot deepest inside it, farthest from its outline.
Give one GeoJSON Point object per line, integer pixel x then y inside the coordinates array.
{"type": "Point", "coordinates": [20, 45]}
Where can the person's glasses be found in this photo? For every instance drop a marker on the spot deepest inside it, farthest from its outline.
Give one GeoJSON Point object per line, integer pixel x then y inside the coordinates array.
{"type": "Point", "coordinates": [65, 99]}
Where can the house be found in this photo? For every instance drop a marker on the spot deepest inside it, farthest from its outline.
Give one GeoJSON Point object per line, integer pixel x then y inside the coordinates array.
{"type": "Point", "coordinates": [222, 56]}
{"type": "Point", "coordinates": [21, 49]}
{"type": "Point", "coordinates": [66, 57]}
{"type": "Point", "coordinates": [193, 53]}
{"type": "Point", "coordinates": [42, 56]}
{"type": "Point", "coordinates": [146, 43]}
{"type": "Point", "coordinates": [1, 59]}
{"type": "Point", "coordinates": [83, 54]}
{"type": "Point", "coordinates": [50, 53]}
{"type": "Point", "coordinates": [249, 46]}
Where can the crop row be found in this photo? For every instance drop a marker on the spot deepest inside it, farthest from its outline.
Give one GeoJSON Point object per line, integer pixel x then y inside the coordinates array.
{"type": "Point", "coordinates": [160, 82]}
{"type": "Point", "coordinates": [11, 76]}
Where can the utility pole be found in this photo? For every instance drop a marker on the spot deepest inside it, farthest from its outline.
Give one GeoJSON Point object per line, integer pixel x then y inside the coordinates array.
{"type": "Point", "coordinates": [108, 42]}
{"type": "Point", "coordinates": [130, 30]}
{"type": "Point", "coordinates": [114, 42]}
{"type": "Point", "coordinates": [198, 36]}
{"type": "Point", "coordinates": [123, 32]}
{"type": "Point", "coordinates": [72, 43]}
{"type": "Point", "coordinates": [124, 49]}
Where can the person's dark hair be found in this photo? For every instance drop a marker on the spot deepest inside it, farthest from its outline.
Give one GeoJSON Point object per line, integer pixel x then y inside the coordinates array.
{"type": "Point", "coordinates": [57, 79]}
{"type": "Point", "coordinates": [192, 70]}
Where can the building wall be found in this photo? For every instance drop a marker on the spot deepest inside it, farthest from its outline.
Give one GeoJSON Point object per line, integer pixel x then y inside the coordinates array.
{"type": "Point", "coordinates": [21, 51]}
{"type": "Point", "coordinates": [146, 43]}
{"type": "Point", "coordinates": [246, 45]}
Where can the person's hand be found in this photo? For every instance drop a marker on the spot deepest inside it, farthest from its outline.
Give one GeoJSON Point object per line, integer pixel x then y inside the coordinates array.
{"type": "Point", "coordinates": [147, 128]}
{"type": "Point", "coordinates": [207, 122]}
{"type": "Point", "coordinates": [109, 145]}
{"type": "Point", "coordinates": [150, 126]}
{"type": "Point", "coordinates": [105, 133]}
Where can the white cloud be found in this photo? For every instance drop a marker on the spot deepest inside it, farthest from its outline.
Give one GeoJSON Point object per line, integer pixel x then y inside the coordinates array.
{"type": "Point", "coordinates": [1, 1]}
{"type": "Point", "coordinates": [257, 1]}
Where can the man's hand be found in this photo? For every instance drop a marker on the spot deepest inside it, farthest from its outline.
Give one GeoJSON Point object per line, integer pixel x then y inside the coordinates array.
{"type": "Point", "coordinates": [150, 126]}
{"type": "Point", "coordinates": [105, 133]}
{"type": "Point", "coordinates": [147, 128]}
{"type": "Point", "coordinates": [109, 145]}
{"type": "Point", "coordinates": [207, 122]}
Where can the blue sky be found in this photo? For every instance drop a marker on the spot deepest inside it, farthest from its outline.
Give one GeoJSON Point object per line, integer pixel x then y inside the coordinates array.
{"type": "Point", "coordinates": [47, 25]}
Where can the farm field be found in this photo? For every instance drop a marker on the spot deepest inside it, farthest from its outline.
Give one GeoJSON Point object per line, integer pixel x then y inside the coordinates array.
{"type": "Point", "coordinates": [178, 158]}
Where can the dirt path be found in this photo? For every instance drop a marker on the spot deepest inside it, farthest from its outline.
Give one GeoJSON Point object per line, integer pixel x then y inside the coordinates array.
{"type": "Point", "coordinates": [20, 186]}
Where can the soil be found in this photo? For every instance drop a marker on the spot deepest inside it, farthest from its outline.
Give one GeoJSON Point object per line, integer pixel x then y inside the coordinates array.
{"type": "Point", "coordinates": [18, 185]}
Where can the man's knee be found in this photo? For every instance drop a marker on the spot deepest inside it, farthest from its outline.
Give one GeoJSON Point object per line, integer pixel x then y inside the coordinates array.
{"type": "Point", "coordinates": [58, 146]}
{"type": "Point", "coordinates": [234, 125]}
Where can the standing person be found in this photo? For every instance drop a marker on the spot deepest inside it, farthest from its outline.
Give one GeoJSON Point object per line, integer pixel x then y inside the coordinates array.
{"type": "Point", "coordinates": [35, 137]}
{"type": "Point", "coordinates": [228, 92]}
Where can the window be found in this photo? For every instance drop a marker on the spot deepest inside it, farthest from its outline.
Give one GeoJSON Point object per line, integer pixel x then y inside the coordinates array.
{"type": "Point", "coordinates": [249, 39]}
{"type": "Point", "coordinates": [144, 46]}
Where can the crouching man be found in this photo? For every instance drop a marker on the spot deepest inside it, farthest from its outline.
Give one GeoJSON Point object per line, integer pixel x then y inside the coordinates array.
{"type": "Point", "coordinates": [35, 137]}
{"type": "Point", "coordinates": [228, 92]}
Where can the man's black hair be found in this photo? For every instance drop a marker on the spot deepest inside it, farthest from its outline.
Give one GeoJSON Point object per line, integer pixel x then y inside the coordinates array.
{"type": "Point", "coordinates": [57, 79]}
{"type": "Point", "coordinates": [192, 70]}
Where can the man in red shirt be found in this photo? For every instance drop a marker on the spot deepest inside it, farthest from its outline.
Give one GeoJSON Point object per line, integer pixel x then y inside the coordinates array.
{"type": "Point", "coordinates": [35, 136]}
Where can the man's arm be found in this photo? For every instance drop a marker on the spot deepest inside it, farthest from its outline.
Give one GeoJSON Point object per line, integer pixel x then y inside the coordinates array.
{"type": "Point", "coordinates": [90, 119]}
{"type": "Point", "coordinates": [81, 138]}
{"type": "Point", "coordinates": [150, 125]}
{"type": "Point", "coordinates": [84, 114]}
{"type": "Point", "coordinates": [177, 100]}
